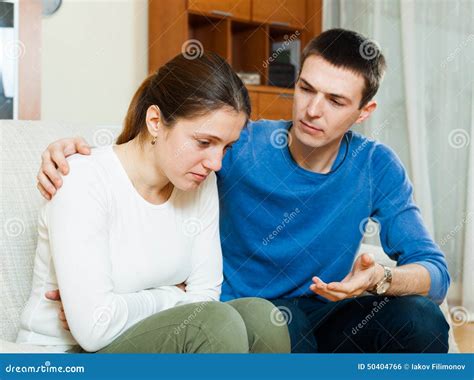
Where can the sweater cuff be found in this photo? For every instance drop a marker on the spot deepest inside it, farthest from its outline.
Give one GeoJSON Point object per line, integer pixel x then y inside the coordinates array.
{"type": "Point", "coordinates": [436, 292]}
{"type": "Point", "coordinates": [167, 297]}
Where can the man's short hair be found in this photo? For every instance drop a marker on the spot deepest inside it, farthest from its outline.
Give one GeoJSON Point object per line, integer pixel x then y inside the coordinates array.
{"type": "Point", "coordinates": [353, 51]}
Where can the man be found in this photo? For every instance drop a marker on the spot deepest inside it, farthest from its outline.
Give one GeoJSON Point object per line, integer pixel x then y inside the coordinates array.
{"type": "Point", "coordinates": [295, 197]}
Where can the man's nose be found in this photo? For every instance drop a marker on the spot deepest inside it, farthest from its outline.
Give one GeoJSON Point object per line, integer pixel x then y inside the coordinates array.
{"type": "Point", "coordinates": [315, 107]}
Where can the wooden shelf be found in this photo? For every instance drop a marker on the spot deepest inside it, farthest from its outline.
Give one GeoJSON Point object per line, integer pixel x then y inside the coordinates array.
{"type": "Point", "coordinates": [241, 31]}
{"type": "Point", "coordinates": [213, 33]}
{"type": "Point", "coordinates": [249, 48]}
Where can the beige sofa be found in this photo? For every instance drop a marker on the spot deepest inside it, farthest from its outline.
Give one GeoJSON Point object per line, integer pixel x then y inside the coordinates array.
{"type": "Point", "coordinates": [21, 144]}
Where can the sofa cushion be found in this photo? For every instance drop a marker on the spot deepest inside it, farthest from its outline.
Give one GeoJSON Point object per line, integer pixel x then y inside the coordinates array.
{"type": "Point", "coordinates": [21, 145]}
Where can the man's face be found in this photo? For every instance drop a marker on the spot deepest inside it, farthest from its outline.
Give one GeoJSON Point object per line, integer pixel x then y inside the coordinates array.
{"type": "Point", "coordinates": [326, 103]}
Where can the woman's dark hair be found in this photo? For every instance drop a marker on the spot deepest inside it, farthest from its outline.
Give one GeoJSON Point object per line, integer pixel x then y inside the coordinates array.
{"type": "Point", "coordinates": [353, 51]}
{"type": "Point", "coordinates": [185, 88]}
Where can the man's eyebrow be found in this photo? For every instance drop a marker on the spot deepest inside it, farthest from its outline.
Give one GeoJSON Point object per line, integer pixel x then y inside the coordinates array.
{"type": "Point", "coordinates": [338, 96]}
{"type": "Point", "coordinates": [210, 136]}
{"type": "Point", "coordinates": [306, 83]}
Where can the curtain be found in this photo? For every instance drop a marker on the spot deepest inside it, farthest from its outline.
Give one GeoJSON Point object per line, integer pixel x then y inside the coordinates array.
{"type": "Point", "coordinates": [426, 113]}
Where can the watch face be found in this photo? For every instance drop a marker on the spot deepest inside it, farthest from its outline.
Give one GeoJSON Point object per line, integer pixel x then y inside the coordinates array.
{"type": "Point", "coordinates": [383, 288]}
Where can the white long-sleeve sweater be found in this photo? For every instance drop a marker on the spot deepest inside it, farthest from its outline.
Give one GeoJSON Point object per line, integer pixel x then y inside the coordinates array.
{"type": "Point", "coordinates": [116, 257]}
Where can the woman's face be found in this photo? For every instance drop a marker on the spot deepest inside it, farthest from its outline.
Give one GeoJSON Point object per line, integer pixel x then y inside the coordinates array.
{"type": "Point", "coordinates": [191, 149]}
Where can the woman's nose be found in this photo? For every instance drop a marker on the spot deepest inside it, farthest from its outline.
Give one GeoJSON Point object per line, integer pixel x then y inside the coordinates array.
{"type": "Point", "coordinates": [213, 162]}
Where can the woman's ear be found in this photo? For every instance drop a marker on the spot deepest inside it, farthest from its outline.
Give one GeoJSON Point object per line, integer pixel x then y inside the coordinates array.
{"type": "Point", "coordinates": [153, 120]}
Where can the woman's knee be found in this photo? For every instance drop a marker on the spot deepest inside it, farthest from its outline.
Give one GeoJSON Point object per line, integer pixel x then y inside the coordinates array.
{"type": "Point", "coordinates": [207, 327]}
{"type": "Point", "coordinates": [266, 325]}
{"type": "Point", "coordinates": [221, 328]}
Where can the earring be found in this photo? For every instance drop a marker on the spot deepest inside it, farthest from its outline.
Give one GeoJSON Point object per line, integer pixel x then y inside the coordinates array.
{"type": "Point", "coordinates": [153, 142]}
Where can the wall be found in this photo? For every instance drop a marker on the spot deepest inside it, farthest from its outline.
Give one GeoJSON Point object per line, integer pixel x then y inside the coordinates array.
{"type": "Point", "coordinates": [94, 56]}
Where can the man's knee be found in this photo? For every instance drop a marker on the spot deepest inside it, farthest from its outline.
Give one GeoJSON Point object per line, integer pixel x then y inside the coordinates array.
{"type": "Point", "coordinates": [421, 325]}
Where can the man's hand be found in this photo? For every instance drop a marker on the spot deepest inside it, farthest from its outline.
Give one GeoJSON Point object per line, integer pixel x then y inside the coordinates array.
{"type": "Point", "coordinates": [54, 295]}
{"type": "Point", "coordinates": [54, 164]}
{"type": "Point", "coordinates": [365, 274]}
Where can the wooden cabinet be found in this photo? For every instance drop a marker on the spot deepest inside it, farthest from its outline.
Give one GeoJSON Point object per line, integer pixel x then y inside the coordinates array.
{"type": "Point", "coordinates": [227, 28]}
{"type": "Point", "coordinates": [275, 106]}
{"type": "Point", "coordinates": [241, 31]}
{"type": "Point", "coordinates": [239, 9]}
{"type": "Point", "coordinates": [271, 103]}
{"type": "Point", "coordinates": [167, 31]}
{"type": "Point", "coordinates": [280, 12]}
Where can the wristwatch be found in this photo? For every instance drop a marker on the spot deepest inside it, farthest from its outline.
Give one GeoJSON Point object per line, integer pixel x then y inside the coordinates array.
{"type": "Point", "coordinates": [384, 284]}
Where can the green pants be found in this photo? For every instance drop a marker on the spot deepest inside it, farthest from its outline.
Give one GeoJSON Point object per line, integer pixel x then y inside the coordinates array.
{"type": "Point", "coordinates": [240, 326]}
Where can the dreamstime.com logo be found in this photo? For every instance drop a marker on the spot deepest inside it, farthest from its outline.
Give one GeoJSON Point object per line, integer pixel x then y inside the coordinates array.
{"type": "Point", "coordinates": [369, 227]}
{"type": "Point", "coordinates": [192, 49]}
{"type": "Point", "coordinates": [190, 318]}
{"type": "Point", "coordinates": [283, 48]}
{"type": "Point", "coordinates": [377, 307]}
{"type": "Point", "coordinates": [103, 137]}
{"type": "Point", "coordinates": [44, 368]}
{"type": "Point", "coordinates": [280, 138]}
{"type": "Point", "coordinates": [287, 218]}
{"type": "Point", "coordinates": [281, 316]}
{"type": "Point", "coordinates": [369, 49]}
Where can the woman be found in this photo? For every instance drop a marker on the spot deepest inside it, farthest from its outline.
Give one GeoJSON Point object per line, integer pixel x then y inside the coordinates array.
{"type": "Point", "coordinates": [132, 238]}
